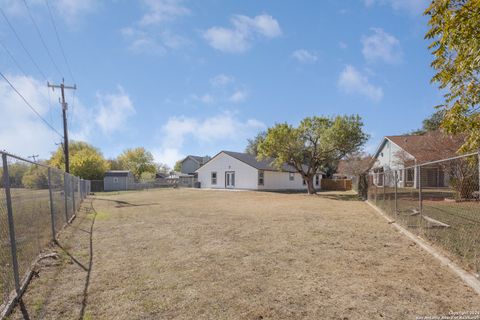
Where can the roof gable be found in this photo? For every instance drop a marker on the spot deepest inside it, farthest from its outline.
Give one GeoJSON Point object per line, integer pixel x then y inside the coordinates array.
{"type": "Point", "coordinates": [431, 146]}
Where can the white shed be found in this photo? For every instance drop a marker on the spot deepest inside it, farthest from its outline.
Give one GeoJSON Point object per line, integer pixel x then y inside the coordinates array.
{"type": "Point", "coordinates": [234, 170]}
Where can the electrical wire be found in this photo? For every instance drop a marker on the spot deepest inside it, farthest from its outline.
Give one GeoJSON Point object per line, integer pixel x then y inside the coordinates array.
{"type": "Point", "coordinates": [29, 105]}
{"type": "Point", "coordinates": [22, 44]}
{"type": "Point", "coordinates": [50, 13]}
{"type": "Point", "coordinates": [42, 40]}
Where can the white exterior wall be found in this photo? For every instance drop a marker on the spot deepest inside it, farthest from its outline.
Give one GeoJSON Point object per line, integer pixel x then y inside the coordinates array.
{"type": "Point", "coordinates": [278, 180]}
{"type": "Point", "coordinates": [389, 159]}
{"type": "Point", "coordinates": [245, 175]}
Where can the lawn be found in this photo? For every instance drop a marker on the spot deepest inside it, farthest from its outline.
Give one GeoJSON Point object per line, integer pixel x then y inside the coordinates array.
{"type": "Point", "coordinates": [196, 254]}
{"type": "Point", "coordinates": [461, 240]}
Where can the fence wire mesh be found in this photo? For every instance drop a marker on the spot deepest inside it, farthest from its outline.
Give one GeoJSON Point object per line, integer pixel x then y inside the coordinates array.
{"type": "Point", "coordinates": [36, 201]}
{"type": "Point", "coordinates": [439, 201]}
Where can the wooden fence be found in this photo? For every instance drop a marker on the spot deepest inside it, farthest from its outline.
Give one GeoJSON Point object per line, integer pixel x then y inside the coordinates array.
{"type": "Point", "coordinates": [336, 185]}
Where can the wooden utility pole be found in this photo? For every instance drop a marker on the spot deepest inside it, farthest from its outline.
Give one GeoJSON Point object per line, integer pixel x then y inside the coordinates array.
{"type": "Point", "coordinates": [64, 104]}
{"type": "Point", "coordinates": [34, 157]}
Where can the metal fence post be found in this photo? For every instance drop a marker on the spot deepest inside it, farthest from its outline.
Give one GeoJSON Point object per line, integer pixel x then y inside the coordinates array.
{"type": "Point", "coordinates": [52, 209]}
{"type": "Point", "coordinates": [420, 201]}
{"type": "Point", "coordinates": [478, 157]}
{"type": "Point", "coordinates": [73, 196]}
{"type": "Point", "coordinates": [65, 191]}
{"type": "Point", "coordinates": [11, 227]}
{"type": "Point", "coordinates": [384, 189]}
{"type": "Point", "coordinates": [395, 194]}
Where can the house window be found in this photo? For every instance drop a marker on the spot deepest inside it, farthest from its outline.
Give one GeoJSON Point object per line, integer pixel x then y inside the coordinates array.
{"type": "Point", "coordinates": [304, 182]}
{"type": "Point", "coordinates": [115, 180]}
{"type": "Point", "coordinates": [317, 180]}
{"type": "Point", "coordinates": [261, 178]}
{"type": "Point", "coordinates": [410, 174]}
{"type": "Point", "coordinates": [291, 176]}
{"type": "Point", "coordinates": [214, 178]}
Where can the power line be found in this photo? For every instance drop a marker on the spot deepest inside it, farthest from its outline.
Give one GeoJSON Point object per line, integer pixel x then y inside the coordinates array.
{"type": "Point", "coordinates": [12, 57]}
{"type": "Point", "coordinates": [42, 39]}
{"type": "Point", "coordinates": [29, 105]}
{"type": "Point", "coordinates": [22, 44]}
{"type": "Point", "coordinates": [58, 40]}
{"type": "Point", "coordinates": [15, 61]}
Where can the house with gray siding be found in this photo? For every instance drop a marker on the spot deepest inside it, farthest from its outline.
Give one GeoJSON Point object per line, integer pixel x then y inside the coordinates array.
{"type": "Point", "coordinates": [117, 180]}
{"type": "Point", "coordinates": [403, 153]}
{"type": "Point", "coordinates": [191, 163]}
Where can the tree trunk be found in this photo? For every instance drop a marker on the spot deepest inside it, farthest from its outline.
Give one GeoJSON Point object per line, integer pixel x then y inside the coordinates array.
{"type": "Point", "coordinates": [310, 187]}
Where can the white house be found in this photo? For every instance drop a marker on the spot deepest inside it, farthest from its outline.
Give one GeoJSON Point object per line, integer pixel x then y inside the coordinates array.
{"type": "Point", "coordinates": [403, 153]}
{"type": "Point", "coordinates": [234, 170]}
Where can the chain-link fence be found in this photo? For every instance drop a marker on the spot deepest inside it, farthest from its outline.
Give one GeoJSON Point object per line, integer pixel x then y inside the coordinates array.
{"type": "Point", "coordinates": [439, 201]}
{"type": "Point", "coordinates": [36, 201]}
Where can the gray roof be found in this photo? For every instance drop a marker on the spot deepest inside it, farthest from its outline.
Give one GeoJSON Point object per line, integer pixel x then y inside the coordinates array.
{"type": "Point", "coordinates": [265, 165]}
{"type": "Point", "coordinates": [199, 159]}
{"type": "Point", "coordinates": [117, 173]}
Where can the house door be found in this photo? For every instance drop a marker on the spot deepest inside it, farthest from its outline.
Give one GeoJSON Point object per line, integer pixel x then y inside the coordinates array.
{"type": "Point", "coordinates": [230, 179]}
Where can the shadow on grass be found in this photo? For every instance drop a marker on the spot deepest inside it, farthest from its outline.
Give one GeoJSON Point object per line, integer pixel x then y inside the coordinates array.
{"type": "Point", "coordinates": [126, 204]}
{"type": "Point", "coordinates": [339, 196]}
{"type": "Point", "coordinates": [332, 195]}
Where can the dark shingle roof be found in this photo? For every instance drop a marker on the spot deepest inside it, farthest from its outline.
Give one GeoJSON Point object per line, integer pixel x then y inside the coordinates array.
{"type": "Point", "coordinates": [117, 173]}
{"type": "Point", "coordinates": [199, 159]}
{"type": "Point", "coordinates": [252, 161]}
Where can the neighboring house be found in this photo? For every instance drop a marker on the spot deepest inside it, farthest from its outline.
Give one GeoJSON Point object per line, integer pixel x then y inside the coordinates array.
{"type": "Point", "coordinates": [403, 153]}
{"type": "Point", "coordinates": [352, 167]}
{"type": "Point", "coordinates": [234, 170]}
{"type": "Point", "coordinates": [116, 180]}
{"type": "Point", "coordinates": [341, 172]}
{"type": "Point", "coordinates": [192, 163]}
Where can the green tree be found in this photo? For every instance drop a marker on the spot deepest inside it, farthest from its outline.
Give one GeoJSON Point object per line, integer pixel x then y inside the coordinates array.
{"type": "Point", "coordinates": [455, 33]}
{"type": "Point", "coordinates": [432, 123]}
{"type": "Point", "coordinates": [36, 177]}
{"type": "Point", "coordinates": [138, 161]}
{"type": "Point", "coordinates": [178, 166]}
{"type": "Point", "coordinates": [314, 145]}
{"type": "Point", "coordinates": [86, 161]}
{"type": "Point", "coordinates": [115, 164]}
{"type": "Point", "coordinates": [163, 168]}
{"type": "Point", "coordinates": [252, 144]}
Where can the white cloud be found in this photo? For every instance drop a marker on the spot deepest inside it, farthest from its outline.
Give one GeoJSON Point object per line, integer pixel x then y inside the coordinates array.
{"type": "Point", "coordinates": [238, 96]}
{"type": "Point", "coordinates": [71, 10]}
{"type": "Point", "coordinates": [305, 56]}
{"type": "Point", "coordinates": [414, 7]}
{"type": "Point", "coordinates": [245, 30]}
{"type": "Point", "coordinates": [381, 46]}
{"type": "Point", "coordinates": [205, 98]}
{"type": "Point", "coordinates": [142, 42]}
{"type": "Point", "coordinates": [221, 80]}
{"type": "Point", "coordinates": [113, 111]}
{"type": "Point", "coordinates": [152, 33]}
{"type": "Point", "coordinates": [68, 10]}
{"type": "Point", "coordinates": [21, 131]}
{"type": "Point", "coordinates": [159, 11]}
{"type": "Point", "coordinates": [352, 81]}
{"type": "Point", "coordinates": [342, 45]}
{"type": "Point", "coordinates": [221, 127]}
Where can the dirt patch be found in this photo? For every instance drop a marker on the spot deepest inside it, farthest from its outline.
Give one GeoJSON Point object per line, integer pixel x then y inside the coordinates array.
{"type": "Point", "coordinates": [193, 254]}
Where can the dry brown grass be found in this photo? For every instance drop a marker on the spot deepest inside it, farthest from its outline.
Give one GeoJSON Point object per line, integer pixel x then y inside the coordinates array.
{"type": "Point", "coordinates": [194, 254]}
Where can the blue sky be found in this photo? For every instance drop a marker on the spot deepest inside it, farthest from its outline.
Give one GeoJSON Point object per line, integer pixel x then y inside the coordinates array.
{"type": "Point", "coordinates": [195, 77]}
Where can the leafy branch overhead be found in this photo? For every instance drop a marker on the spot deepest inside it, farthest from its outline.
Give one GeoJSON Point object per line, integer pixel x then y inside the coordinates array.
{"type": "Point", "coordinates": [313, 145]}
{"type": "Point", "coordinates": [455, 34]}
